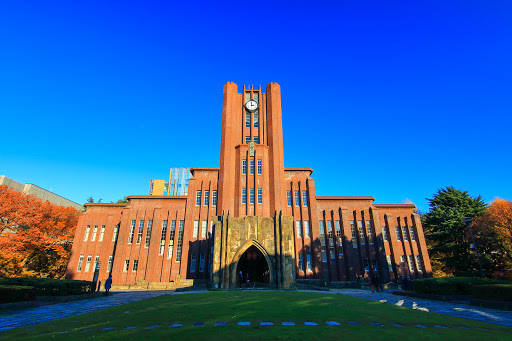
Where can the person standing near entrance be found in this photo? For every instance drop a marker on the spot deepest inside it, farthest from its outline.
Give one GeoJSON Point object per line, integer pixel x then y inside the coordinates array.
{"type": "Point", "coordinates": [241, 278]}
{"type": "Point", "coordinates": [247, 281]}
{"type": "Point", "coordinates": [108, 284]}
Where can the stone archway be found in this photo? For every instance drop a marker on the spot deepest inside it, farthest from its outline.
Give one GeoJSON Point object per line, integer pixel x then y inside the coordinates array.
{"type": "Point", "coordinates": [252, 258]}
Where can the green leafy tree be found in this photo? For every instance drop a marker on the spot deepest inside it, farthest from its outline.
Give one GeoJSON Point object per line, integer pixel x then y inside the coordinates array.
{"type": "Point", "coordinates": [446, 231]}
{"type": "Point", "coordinates": [123, 200]}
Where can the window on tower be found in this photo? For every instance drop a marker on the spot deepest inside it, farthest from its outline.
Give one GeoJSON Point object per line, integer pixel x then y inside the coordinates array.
{"type": "Point", "coordinates": [256, 120]}
{"type": "Point", "coordinates": [247, 120]}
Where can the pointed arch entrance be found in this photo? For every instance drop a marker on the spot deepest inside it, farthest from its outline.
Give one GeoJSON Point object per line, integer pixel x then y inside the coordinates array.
{"type": "Point", "coordinates": [253, 259]}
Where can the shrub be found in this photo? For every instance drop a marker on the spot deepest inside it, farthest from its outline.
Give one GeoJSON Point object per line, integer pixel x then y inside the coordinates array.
{"type": "Point", "coordinates": [450, 285]}
{"type": "Point", "coordinates": [493, 292]}
{"type": "Point", "coordinates": [16, 293]}
{"type": "Point", "coordinates": [51, 287]}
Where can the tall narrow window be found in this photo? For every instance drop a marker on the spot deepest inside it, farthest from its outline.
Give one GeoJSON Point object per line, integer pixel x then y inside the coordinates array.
{"type": "Point", "coordinates": [301, 262]}
{"type": "Point", "coordinates": [411, 231]}
{"type": "Point", "coordinates": [331, 239]}
{"type": "Point", "coordinates": [193, 263]}
{"type": "Point", "coordinates": [251, 167]}
{"type": "Point", "coordinates": [251, 196]}
{"type": "Point", "coordinates": [397, 233]}
{"type": "Point", "coordinates": [88, 263]}
{"type": "Point", "coordinates": [171, 239]}
{"type": "Point", "coordinates": [214, 198]}
{"type": "Point", "coordinates": [102, 232]}
{"type": "Point", "coordinates": [307, 233]}
{"type": "Point", "coordinates": [86, 235]}
{"type": "Point", "coordinates": [256, 119]}
{"type": "Point", "coordinates": [309, 264]}
{"type": "Point", "coordinates": [206, 198]}
{"type": "Point", "coordinates": [366, 265]}
{"type": "Point", "coordinates": [361, 231]}
{"type": "Point", "coordinates": [418, 263]}
{"type": "Point", "coordinates": [161, 248]}
{"type": "Point", "coordinates": [384, 233]}
{"type": "Point", "coordinates": [116, 232]}
{"type": "Point", "coordinates": [141, 228]}
{"type": "Point", "coordinates": [132, 232]}
{"type": "Point", "coordinates": [411, 263]}
{"type": "Point", "coordinates": [148, 233]}
{"type": "Point", "coordinates": [135, 265]}
{"type": "Point", "coordinates": [404, 233]}
{"type": "Point", "coordinates": [322, 241]}
{"type": "Point", "coordinates": [204, 228]}
{"type": "Point", "coordinates": [298, 228]}
{"type": "Point", "coordinates": [390, 264]}
{"type": "Point", "coordinates": [244, 167]}
{"type": "Point", "coordinates": [196, 229]}
{"type": "Point", "coordinates": [369, 231]}
{"type": "Point", "coordinates": [297, 198]}
{"type": "Point", "coordinates": [180, 241]}
{"type": "Point", "coordinates": [304, 198]}
{"type": "Point", "coordinates": [260, 196]}
{"type": "Point", "coordinates": [354, 234]}
{"type": "Point", "coordinates": [80, 261]}
{"type": "Point", "coordinates": [340, 239]}
{"type": "Point", "coordinates": [247, 120]}
{"type": "Point", "coordinates": [244, 196]}
{"type": "Point", "coordinates": [96, 260]}
{"type": "Point", "coordinates": [201, 262]}
{"type": "Point", "coordinates": [94, 230]}
{"type": "Point", "coordinates": [260, 167]}
{"type": "Point", "coordinates": [289, 198]}
{"type": "Point", "coordinates": [198, 198]}
{"type": "Point", "coordinates": [109, 265]}
{"type": "Point", "coordinates": [126, 265]}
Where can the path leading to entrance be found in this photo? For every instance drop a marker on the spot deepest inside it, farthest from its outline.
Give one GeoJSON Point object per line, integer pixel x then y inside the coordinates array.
{"type": "Point", "coordinates": [454, 309]}
{"type": "Point", "coordinates": [51, 312]}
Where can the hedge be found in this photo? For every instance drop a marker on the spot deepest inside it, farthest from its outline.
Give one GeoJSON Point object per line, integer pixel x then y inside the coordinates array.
{"type": "Point", "coordinates": [50, 286]}
{"type": "Point", "coordinates": [493, 292]}
{"type": "Point", "coordinates": [450, 285]}
{"type": "Point", "coordinates": [16, 293]}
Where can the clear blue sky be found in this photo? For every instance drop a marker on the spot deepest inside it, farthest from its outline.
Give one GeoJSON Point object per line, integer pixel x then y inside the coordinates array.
{"type": "Point", "coordinates": [388, 99]}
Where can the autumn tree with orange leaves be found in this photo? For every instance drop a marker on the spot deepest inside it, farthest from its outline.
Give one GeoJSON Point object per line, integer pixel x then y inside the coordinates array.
{"type": "Point", "coordinates": [35, 236]}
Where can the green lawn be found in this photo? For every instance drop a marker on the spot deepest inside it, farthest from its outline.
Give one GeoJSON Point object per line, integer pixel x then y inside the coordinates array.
{"type": "Point", "coordinates": [255, 307]}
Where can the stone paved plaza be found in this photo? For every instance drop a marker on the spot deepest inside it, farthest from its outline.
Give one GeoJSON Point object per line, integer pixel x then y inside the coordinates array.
{"type": "Point", "coordinates": [47, 313]}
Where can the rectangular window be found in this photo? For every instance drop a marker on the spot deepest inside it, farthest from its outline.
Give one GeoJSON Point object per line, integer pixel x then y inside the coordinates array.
{"type": "Point", "coordinates": [411, 263]}
{"type": "Point", "coordinates": [297, 198]}
{"type": "Point", "coordinates": [96, 260]}
{"type": "Point", "coordinates": [322, 241]}
{"type": "Point", "coordinates": [256, 139]}
{"type": "Point", "coordinates": [80, 261]}
{"type": "Point", "coordinates": [260, 196]}
{"type": "Point", "coordinates": [196, 229]}
{"type": "Point", "coordinates": [404, 233]}
{"type": "Point", "coordinates": [369, 232]}
{"type": "Point", "coordinates": [304, 198]}
{"type": "Point", "coordinates": [135, 265]}
{"type": "Point", "coordinates": [244, 167]}
{"type": "Point", "coordinates": [94, 230]}
{"type": "Point", "coordinates": [340, 241]}
{"type": "Point", "coordinates": [116, 232]}
{"type": "Point", "coordinates": [307, 233]}
{"type": "Point", "coordinates": [141, 228]}
{"type": "Point", "coordinates": [126, 265]}
{"type": "Point", "coordinates": [86, 235]}
{"type": "Point", "coordinates": [384, 233]}
{"type": "Point", "coordinates": [161, 248]}
{"type": "Point", "coordinates": [132, 232]}
{"type": "Point", "coordinates": [260, 170]}
{"type": "Point", "coordinates": [251, 196]}
{"type": "Point", "coordinates": [289, 198]}
{"type": "Point", "coordinates": [102, 232]}
{"type": "Point", "coordinates": [247, 139]}
{"type": "Point", "coordinates": [206, 198]}
{"type": "Point", "coordinates": [301, 262]}
{"type": "Point", "coordinates": [214, 198]}
{"type": "Point", "coordinates": [201, 262]}
{"type": "Point", "coordinates": [411, 231]}
{"type": "Point", "coordinates": [198, 198]}
{"type": "Point", "coordinates": [204, 228]}
{"type": "Point", "coordinates": [397, 233]}
{"type": "Point", "coordinates": [244, 196]}
{"type": "Point", "coordinates": [361, 231]}
{"type": "Point", "coordinates": [256, 119]}
{"type": "Point", "coordinates": [193, 263]}
{"type": "Point", "coordinates": [418, 263]}
{"type": "Point", "coordinates": [329, 228]}
{"type": "Point", "coordinates": [354, 234]}
{"type": "Point", "coordinates": [247, 120]}
{"type": "Point", "coordinates": [331, 239]}
{"type": "Point", "coordinates": [148, 233]}
{"type": "Point", "coordinates": [402, 259]}
{"type": "Point", "coordinates": [251, 167]}
{"type": "Point", "coordinates": [298, 228]}
{"type": "Point", "coordinates": [170, 249]}
{"type": "Point", "coordinates": [390, 264]}
{"type": "Point", "coordinates": [180, 241]}
{"type": "Point", "coordinates": [88, 263]}
{"type": "Point", "coordinates": [366, 265]}
{"type": "Point", "coordinates": [109, 265]}
{"type": "Point", "coordinates": [309, 264]}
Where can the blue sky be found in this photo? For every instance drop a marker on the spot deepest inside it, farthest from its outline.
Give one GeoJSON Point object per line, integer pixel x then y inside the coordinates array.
{"type": "Point", "coordinates": [389, 99]}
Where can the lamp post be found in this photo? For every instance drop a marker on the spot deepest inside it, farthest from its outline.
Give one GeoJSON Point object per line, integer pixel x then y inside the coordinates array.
{"type": "Point", "coordinates": [469, 220]}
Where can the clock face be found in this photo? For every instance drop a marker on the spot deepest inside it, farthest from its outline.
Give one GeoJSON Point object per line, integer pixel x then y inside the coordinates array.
{"type": "Point", "coordinates": [251, 105]}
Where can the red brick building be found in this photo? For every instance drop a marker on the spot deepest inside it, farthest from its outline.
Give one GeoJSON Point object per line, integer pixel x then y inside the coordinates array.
{"type": "Point", "coordinates": [251, 214]}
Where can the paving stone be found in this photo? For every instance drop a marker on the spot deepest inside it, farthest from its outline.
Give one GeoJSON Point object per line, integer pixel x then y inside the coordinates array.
{"type": "Point", "coordinates": [397, 325]}
{"type": "Point", "coordinates": [109, 328]}
{"type": "Point", "coordinates": [333, 323]}
{"type": "Point", "coordinates": [289, 324]}
{"type": "Point", "coordinates": [376, 324]}
{"type": "Point", "coordinates": [266, 324]}
{"type": "Point", "coordinates": [220, 324]}
{"type": "Point", "coordinates": [354, 323]}
{"type": "Point", "coordinates": [421, 326]}
{"type": "Point", "coordinates": [311, 323]}
{"type": "Point", "coordinates": [176, 325]}
{"type": "Point", "coordinates": [152, 326]}
{"type": "Point", "coordinates": [131, 327]}
{"type": "Point", "coordinates": [244, 323]}
{"type": "Point", "coordinates": [198, 324]}
{"type": "Point", "coordinates": [443, 327]}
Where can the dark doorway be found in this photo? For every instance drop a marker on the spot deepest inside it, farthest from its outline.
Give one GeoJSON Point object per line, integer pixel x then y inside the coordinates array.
{"type": "Point", "coordinates": [254, 263]}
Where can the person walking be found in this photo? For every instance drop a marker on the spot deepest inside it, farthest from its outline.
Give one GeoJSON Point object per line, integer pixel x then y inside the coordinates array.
{"type": "Point", "coordinates": [241, 279]}
{"type": "Point", "coordinates": [247, 281]}
{"type": "Point", "coordinates": [108, 284]}
{"type": "Point", "coordinates": [375, 283]}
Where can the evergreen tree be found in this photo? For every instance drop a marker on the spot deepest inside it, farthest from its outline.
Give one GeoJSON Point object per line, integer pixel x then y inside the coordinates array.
{"type": "Point", "coordinates": [446, 231]}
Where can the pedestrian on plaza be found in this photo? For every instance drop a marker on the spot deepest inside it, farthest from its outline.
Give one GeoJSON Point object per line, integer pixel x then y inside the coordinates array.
{"type": "Point", "coordinates": [247, 281]}
{"type": "Point", "coordinates": [375, 283]}
{"type": "Point", "coordinates": [108, 284]}
{"type": "Point", "coordinates": [241, 279]}
{"type": "Point", "coordinates": [379, 283]}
